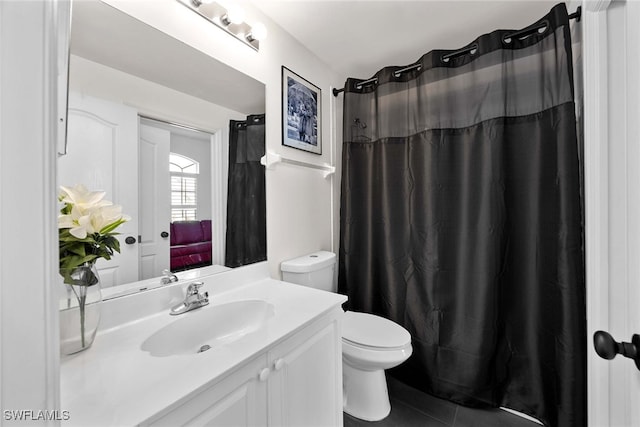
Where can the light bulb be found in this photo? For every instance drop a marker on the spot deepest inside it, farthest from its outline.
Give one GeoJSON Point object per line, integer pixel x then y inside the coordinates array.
{"type": "Point", "coordinates": [234, 15]}
{"type": "Point", "coordinates": [258, 32]}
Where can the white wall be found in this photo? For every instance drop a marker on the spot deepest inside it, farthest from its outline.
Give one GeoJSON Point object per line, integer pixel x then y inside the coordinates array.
{"type": "Point", "coordinates": [300, 203]}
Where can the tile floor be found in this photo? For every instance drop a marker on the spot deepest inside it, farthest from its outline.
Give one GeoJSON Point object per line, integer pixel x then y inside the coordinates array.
{"type": "Point", "coordinates": [413, 408]}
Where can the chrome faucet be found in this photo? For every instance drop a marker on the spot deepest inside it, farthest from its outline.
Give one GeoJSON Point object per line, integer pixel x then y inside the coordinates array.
{"type": "Point", "coordinates": [168, 277]}
{"type": "Point", "coordinates": [192, 300]}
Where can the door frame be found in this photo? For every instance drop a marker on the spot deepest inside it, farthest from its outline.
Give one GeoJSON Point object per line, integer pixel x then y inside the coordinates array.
{"type": "Point", "coordinates": [596, 181]}
{"type": "Point", "coordinates": [31, 38]}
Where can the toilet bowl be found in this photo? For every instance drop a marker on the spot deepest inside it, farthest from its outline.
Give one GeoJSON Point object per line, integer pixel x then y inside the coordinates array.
{"type": "Point", "coordinates": [370, 343]}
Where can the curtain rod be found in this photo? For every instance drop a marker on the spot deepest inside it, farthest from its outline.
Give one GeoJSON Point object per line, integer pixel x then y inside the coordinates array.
{"type": "Point", "coordinates": [175, 124]}
{"type": "Point", "coordinates": [575, 15]}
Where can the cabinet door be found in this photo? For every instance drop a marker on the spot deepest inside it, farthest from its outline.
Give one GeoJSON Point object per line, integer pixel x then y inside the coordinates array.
{"type": "Point", "coordinates": [240, 399]}
{"type": "Point", "coordinates": [305, 387]}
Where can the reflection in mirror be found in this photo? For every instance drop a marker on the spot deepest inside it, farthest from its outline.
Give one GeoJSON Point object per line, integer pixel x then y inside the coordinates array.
{"type": "Point", "coordinates": [151, 121]}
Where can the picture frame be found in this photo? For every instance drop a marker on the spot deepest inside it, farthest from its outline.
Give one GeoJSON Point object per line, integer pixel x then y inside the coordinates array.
{"type": "Point", "coordinates": [301, 113]}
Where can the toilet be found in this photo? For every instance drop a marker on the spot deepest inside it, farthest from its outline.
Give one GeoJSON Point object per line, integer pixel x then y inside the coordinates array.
{"type": "Point", "coordinates": [370, 343]}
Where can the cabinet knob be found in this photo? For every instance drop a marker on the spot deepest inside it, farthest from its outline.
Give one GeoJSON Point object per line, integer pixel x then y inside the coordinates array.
{"type": "Point", "coordinates": [278, 364]}
{"type": "Point", "coordinates": [264, 374]}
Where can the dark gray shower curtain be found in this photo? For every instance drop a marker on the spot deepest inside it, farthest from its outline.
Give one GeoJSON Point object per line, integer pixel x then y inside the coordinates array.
{"type": "Point", "coordinates": [246, 239]}
{"type": "Point", "coordinates": [461, 220]}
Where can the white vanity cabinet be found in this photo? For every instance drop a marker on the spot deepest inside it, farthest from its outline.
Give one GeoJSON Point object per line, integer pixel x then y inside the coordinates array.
{"type": "Point", "coordinates": [240, 399]}
{"type": "Point", "coordinates": [287, 372]}
{"type": "Point", "coordinates": [296, 382]}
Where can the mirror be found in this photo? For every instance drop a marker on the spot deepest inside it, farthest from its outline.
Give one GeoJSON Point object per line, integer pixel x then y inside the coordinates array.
{"type": "Point", "coordinates": [149, 122]}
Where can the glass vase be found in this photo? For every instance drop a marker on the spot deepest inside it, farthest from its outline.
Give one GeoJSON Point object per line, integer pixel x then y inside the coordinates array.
{"type": "Point", "coordinates": [80, 310]}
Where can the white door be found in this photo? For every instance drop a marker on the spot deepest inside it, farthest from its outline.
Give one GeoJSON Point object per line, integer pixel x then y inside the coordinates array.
{"type": "Point", "coordinates": [155, 204]}
{"type": "Point", "coordinates": [102, 154]}
{"type": "Point", "coordinates": [624, 207]}
{"type": "Point", "coordinates": [612, 204]}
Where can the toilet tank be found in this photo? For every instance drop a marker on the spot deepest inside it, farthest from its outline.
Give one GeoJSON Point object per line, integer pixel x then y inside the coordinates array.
{"type": "Point", "coordinates": [316, 270]}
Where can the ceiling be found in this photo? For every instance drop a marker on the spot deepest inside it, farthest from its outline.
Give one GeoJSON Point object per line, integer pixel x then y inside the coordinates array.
{"type": "Point", "coordinates": [357, 38]}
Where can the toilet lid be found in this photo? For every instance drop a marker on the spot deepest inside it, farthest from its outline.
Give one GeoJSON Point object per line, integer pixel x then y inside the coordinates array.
{"type": "Point", "coordinates": [373, 331]}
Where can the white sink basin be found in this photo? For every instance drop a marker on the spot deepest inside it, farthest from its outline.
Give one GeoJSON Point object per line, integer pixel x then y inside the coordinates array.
{"type": "Point", "coordinates": [208, 327]}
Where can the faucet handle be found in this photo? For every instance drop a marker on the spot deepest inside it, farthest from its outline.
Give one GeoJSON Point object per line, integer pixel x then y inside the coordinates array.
{"type": "Point", "coordinates": [168, 277]}
{"type": "Point", "coordinates": [194, 288]}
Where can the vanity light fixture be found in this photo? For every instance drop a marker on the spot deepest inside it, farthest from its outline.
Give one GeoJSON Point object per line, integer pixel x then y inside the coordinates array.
{"type": "Point", "coordinates": [230, 19]}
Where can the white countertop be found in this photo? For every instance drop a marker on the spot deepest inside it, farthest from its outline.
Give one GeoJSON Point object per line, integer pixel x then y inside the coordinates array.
{"type": "Point", "coordinates": [115, 383]}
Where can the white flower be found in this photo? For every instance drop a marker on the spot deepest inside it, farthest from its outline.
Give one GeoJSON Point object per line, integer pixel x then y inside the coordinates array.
{"type": "Point", "coordinates": [82, 198]}
{"type": "Point", "coordinates": [79, 225]}
{"type": "Point", "coordinates": [105, 216]}
{"type": "Point", "coordinates": [89, 214]}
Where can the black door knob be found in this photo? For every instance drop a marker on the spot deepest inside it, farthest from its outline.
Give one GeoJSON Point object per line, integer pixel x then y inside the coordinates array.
{"type": "Point", "coordinates": [130, 240]}
{"type": "Point", "coordinates": [605, 345]}
{"type": "Point", "coordinates": [608, 348]}
{"type": "Point", "coordinates": [164, 234]}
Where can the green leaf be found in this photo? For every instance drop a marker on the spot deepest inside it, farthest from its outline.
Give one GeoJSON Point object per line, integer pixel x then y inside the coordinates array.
{"type": "Point", "coordinates": [116, 245]}
{"type": "Point", "coordinates": [73, 261]}
{"type": "Point", "coordinates": [70, 238]}
{"type": "Point", "coordinates": [109, 228]}
{"type": "Point", "coordinates": [78, 250]}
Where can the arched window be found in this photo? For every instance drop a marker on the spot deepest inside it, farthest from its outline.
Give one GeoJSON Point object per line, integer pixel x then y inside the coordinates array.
{"type": "Point", "coordinates": [184, 187]}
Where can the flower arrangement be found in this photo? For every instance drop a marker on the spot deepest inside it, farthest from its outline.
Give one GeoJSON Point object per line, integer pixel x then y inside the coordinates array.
{"type": "Point", "coordinates": [86, 227]}
{"type": "Point", "coordinates": [86, 232]}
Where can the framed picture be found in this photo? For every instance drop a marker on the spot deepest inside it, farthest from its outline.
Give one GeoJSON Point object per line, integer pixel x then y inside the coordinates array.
{"type": "Point", "coordinates": [301, 107]}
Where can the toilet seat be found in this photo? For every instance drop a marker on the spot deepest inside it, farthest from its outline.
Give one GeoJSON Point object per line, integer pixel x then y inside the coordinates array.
{"type": "Point", "coordinates": [372, 348]}
{"type": "Point", "coordinates": [371, 332]}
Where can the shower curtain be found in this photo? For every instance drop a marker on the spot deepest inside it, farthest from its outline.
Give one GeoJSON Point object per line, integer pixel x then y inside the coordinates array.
{"type": "Point", "coordinates": [461, 220]}
{"type": "Point", "coordinates": [246, 240]}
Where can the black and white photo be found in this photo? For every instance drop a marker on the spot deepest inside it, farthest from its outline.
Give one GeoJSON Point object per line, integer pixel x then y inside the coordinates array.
{"type": "Point", "coordinates": [301, 105]}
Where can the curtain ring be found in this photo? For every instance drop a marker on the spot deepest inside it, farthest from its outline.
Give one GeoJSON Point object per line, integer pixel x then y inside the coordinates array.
{"type": "Point", "coordinates": [471, 50]}
{"type": "Point", "coordinates": [523, 34]}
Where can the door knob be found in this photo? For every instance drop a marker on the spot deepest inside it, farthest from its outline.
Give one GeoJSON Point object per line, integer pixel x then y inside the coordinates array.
{"type": "Point", "coordinates": [608, 348]}
{"type": "Point", "coordinates": [164, 234]}
{"type": "Point", "coordinates": [130, 240]}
